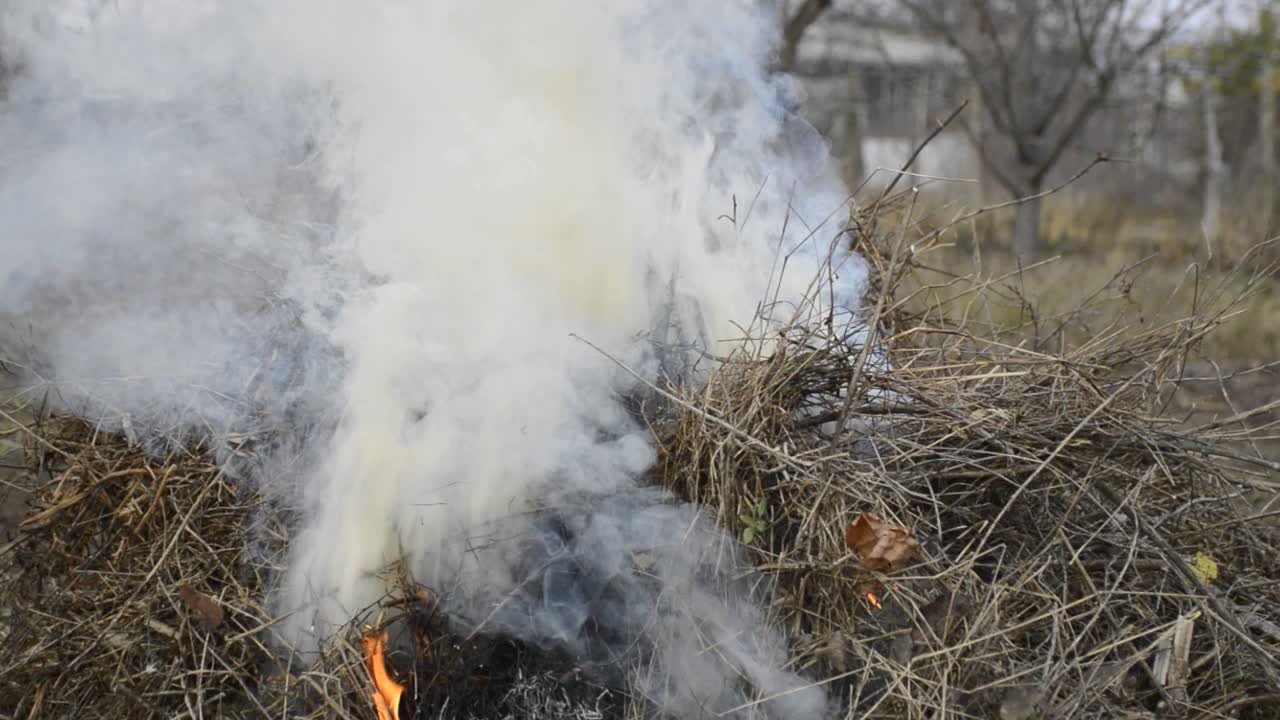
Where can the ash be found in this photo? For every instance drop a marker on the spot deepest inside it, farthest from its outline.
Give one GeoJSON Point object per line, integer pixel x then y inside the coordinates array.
{"type": "Point", "coordinates": [631, 589]}
{"type": "Point", "coordinates": [545, 696]}
{"type": "Point", "coordinates": [541, 696]}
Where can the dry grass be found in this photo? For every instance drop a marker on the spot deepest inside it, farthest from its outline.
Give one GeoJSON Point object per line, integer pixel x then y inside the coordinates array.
{"type": "Point", "coordinates": [1058, 510]}
{"type": "Point", "coordinates": [96, 624]}
{"type": "Point", "coordinates": [1134, 266]}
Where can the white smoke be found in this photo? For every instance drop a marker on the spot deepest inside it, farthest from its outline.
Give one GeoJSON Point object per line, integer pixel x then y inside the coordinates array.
{"type": "Point", "coordinates": [375, 226]}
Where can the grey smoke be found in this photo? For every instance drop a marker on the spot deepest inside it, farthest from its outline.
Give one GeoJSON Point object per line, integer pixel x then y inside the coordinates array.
{"type": "Point", "coordinates": [623, 579]}
{"type": "Point", "coordinates": [370, 229]}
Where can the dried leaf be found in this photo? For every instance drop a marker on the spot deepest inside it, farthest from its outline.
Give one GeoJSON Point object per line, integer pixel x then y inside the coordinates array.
{"type": "Point", "coordinates": [861, 535]}
{"type": "Point", "coordinates": [206, 607]}
{"type": "Point", "coordinates": [1205, 567]}
{"type": "Point", "coordinates": [1172, 664]}
{"type": "Point", "coordinates": [878, 546]}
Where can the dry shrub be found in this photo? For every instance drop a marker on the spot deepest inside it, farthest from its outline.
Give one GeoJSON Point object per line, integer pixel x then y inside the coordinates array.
{"type": "Point", "coordinates": [1060, 514]}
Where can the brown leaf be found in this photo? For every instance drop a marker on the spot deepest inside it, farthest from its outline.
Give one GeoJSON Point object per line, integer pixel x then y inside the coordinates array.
{"type": "Point", "coordinates": [878, 546]}
{"type": "Point", "coordinates": [861, 535]}
{"type": "Point", "coordinates": [203, 605]}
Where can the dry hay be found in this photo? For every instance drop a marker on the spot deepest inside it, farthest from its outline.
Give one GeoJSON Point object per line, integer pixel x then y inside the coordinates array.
{"type": "Point", "coordinates": [1059, 516]}
{"type": "Point", "coordinates": [127, 592]}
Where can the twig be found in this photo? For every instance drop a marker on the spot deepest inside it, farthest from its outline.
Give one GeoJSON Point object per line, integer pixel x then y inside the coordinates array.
{"type": "Point", "coordinates": [920, 147]}
{"type": "Point", "coordinates": [873, 327]}
{"type": "Point", "coordinates": [737, 432]}
{"type": "Point", "coordinates": [1194, 584]}
{"type": "Point", "coordinates": [1099, 159]}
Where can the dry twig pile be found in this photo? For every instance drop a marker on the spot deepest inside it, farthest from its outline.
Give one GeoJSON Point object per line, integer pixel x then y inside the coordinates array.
{"type": "Point", "coordinates": [1080, 555]}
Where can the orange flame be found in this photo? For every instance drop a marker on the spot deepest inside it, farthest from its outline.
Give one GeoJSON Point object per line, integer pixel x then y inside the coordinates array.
{"type": "Point", "coordinates": [875, 602]}
{"type": "Point", "coordinates": [387, 699]}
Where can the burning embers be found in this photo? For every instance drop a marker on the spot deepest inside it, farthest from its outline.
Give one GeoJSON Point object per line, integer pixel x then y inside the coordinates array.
{"type": "Point", "coordinates": [388, 692]}
{"type": "Point", "coordinates": [879, 547]}
{"type": "Point", "coordinates": [464, 669]}
{"type": "Point", "coordinates": [603, 590]}
{"type": "Point", "coordinates": [609, 597]}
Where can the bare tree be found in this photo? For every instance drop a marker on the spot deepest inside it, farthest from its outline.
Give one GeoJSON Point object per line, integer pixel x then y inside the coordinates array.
{"type": "Point", "coordinates": [1041, 70]}
{"type": "Point", "coordinates": [797, 20]}
{"type": "Point", "coordinates": [1215, 166]}
{"type": "Point", "coordinates": [1267, 86]}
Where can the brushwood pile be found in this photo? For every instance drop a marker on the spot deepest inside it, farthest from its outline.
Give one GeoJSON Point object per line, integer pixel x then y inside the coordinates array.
{"type": "Point", "coordinates": [941, 520]}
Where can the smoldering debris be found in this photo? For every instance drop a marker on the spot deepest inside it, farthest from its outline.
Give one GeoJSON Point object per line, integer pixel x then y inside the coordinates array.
{"type": "Point", "coordinates": [438, 666]}
{"type": "Point", "coordinates": [110, 585]}
{"type": "Point", "coordinates": [636, 585]}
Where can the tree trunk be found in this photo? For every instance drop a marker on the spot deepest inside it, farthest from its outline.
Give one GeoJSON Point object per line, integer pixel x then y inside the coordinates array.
{"type": "Point", "coordinates": [793, 31]}
{"type": "Point", "coordinates": [852, 133]}
{"type": "Point", "coordinates": [1215, 167]}
{"type": "Point", "coordinates": [1026, 228]}
{"type": "Point", "coordinates": [1267, 136]}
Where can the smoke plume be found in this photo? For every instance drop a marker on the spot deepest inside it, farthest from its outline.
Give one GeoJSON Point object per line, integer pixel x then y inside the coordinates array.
{"type": "Point", "coordinates": [374, 230]}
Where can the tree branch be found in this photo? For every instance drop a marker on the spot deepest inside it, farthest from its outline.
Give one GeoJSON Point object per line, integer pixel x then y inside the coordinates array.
{"type": "Point", "coordinates": [1085, 111]}
{"type": "Point", "coordinates": [989, 162]}
{"type": "Point", "coordinates": [799, 22]}
{"type": "Point", "coordinates": [974, 65]}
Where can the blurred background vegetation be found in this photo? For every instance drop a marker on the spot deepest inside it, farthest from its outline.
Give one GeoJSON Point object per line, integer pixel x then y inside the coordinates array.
{"type": "Point", "coordinates": [1170, 105]}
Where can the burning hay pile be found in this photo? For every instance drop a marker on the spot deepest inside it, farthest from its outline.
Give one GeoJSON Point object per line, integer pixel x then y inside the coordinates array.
{"type": "Point", "coordinates": [130, 591]}
{"type": "Point", "coordinates": [343, 343]}
{"type": "Point", "coordinates": [943, 521]}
